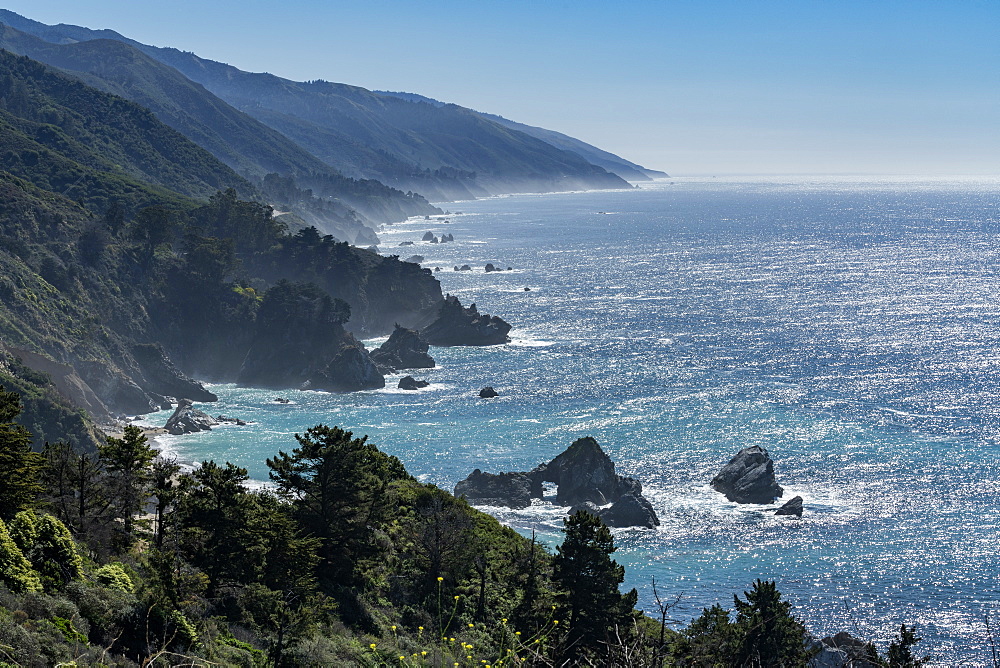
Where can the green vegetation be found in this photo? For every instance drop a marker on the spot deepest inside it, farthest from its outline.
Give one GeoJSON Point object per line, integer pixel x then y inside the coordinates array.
{"type": "Point", "coordinates": [118, 559]}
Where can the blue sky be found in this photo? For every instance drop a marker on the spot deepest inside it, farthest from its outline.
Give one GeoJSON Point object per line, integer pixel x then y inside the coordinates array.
{"type": "Point", "coordinates": [689, 87]}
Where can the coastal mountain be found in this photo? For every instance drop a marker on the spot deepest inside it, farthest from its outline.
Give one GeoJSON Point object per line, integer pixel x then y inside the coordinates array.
{"type": "Point", "coordinates": [125, 249]}
{"type": "Point", "coordinates": [345, 207]}
{"type": "Point", "coordinates": [615, 164]}
{"type": "Point", "coordinates": [442, 152]}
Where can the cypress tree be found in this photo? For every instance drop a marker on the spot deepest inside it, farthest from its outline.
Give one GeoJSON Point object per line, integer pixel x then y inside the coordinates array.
{"type": "Point", "coordinates": [596, 613]}
{"type": "Point", "coordinates": [21, 467]}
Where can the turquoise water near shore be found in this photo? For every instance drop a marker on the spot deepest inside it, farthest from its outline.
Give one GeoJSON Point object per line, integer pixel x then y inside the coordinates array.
{"type": "Point", "coordinates": [848, 325]}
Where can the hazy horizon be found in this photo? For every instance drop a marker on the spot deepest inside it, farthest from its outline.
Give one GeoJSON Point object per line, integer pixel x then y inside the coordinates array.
{"type": "Point", "coordinates": [688, 88]}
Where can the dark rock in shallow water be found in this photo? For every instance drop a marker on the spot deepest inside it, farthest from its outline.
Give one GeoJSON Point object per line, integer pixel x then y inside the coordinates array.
{"type": "Point", "coordinates": [187, 420]}
{"type": "Point", "coordinates": [631, 510]}
{"type": "Point", "coordinates": [586, 481]}
{"type": "Point", "coordinates": [405, 243]}
{"type": "Point", "coordinates": [405, 349]}
{"type": "Point", "coordinates": [465, 267]}
{"type": "Point", "coordinates": [282, 400]}
{"type": "Point", "coordinates": [490, 267]}
{"type": "Point", "coordinates": [350, 370]}
{"type": "Point", "coordinates": [411, 383]}
{"type": "Point", "coordinates": [748, 477]}
{"type": "Point", "coordinates": [228, 420]}
{"type": "Point", "coordinates": [502, 489]}
{"type": "Point", "coordinates": [792, 507]}
{"type": "Point", "coordinates": [488, 392]}
{"type": "Point", "coordinates": [415, 259]}
{"type": "Point", "coordinates": [459, 326]}
{"type": "Point", "coordinates": [427, 236]}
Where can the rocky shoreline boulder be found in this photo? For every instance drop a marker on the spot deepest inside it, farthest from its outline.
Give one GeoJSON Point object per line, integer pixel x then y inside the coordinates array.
{"type": "Point", "coordinates": [405, 349]}
{"type": "Point", "coordinates": [456, 325]}
{"type": "Point", "coordinates": [585, 478]}
{"type": "Point", "coordinates": [488, 392]}
{"type": "Point", "coordinates": [188, 420]}
{"type": "Point", "coordinates": [748, 477]}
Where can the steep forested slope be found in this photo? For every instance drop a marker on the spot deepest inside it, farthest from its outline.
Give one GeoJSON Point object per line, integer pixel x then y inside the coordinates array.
{"type": "Point", "coordinates": [99, 266]}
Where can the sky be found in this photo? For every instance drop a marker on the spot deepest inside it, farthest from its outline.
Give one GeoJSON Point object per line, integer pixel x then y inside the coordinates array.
{"type": "Point", "coordinates": [689, 87]}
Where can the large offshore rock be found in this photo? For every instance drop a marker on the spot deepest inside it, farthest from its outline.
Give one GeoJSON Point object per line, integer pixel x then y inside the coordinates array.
{"type": "Point", "coordinates": [501, 489]}
{"type": "Point", "coordinates": [748, 477]}
{"type": "Point", "coordinates": [586, 480]}
{"type": "Point", "coordinates": [456, 325]}
{"type": "Point", "coordinates": [583, 473]}
{"type": "Point", "coordinates": [405, 349]}
{"type": "Point", "coordinates": [188, 420]}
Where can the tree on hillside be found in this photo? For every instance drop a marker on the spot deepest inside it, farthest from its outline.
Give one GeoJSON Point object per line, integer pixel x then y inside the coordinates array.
{"type": "Point", "coordinates": [593, 608]}
{"type": "Point", "coordinates": [336, 484]}
{"type": "Point", "coordinates": [19, 466]}
{"type": "Point", "coordinates": [128, 461]}
{"type": "Point", "coordinates": [772, 636]}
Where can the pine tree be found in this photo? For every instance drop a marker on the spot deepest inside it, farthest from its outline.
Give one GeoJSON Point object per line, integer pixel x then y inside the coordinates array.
{"type": "Point", "coordinates": [771, 635]}
{"type": "Point", "coordinates": [128, 461]}
{"type": "Point", "coordinates": [596, 613]}
{"type": "Point", "coordinates": [20, 467]}
{"type": "Point", "coordinates": [336, 483]}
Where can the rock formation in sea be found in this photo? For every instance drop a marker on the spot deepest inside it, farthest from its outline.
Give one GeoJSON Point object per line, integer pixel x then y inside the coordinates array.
{"type": "Point", "coordinates": [512, 490]}
{"type": "Point", "coordinates": [405, 349]}
{"type": "Point", "coordinates": [792, 507]}
{"type": "Point", "coordinates": [748, 477]}
{"type": "Point", "coordinates": [488, 392]}
{"type": "Point", "coordinates": [188, 420]}
{"type": "Point", "coordinates": [586, 480]}
{"type": "Point", "coordinates": [456, 325]}
{"type": "Point", "coordinates": [411, 383]}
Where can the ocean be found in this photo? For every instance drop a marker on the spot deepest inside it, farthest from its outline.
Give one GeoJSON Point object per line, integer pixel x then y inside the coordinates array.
{"type": "Point", "coordinates": [849, 325]}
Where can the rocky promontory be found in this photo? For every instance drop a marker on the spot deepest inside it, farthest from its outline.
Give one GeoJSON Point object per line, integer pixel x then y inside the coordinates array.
{"type": "Point", "coordinates": [748, 477]}
{"type": "Point", "coordinates": [405, 349]}
{"type": "Point", "coordinates": [586, 480]}
{"type": "Point", "coordinates": [300, 342]}
{"type": "Point", "coordinates": [456, 325]}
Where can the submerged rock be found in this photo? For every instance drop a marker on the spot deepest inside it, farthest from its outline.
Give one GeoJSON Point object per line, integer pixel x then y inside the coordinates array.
{"type": "Point", "coordinates": [488, 392]}
{"type": "Point", "coordinates": [411, 383]}
{"type": "Point", "coordinates": [415, 259]}
{"type": "Point", "coordinates": [456, 325]}
{"type": "Point", "coordinates": [748, 477]}
{"type": "Point", "coordinates": [792, 507]}
{"type": "Point", "coordinates": [405, 349]}
{"type": "Point", "coordinates": [188, 420]}
{"type": "Point", "coordinates": [501, 489]}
